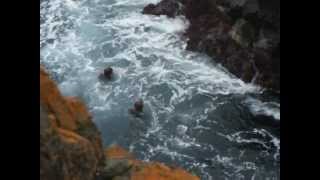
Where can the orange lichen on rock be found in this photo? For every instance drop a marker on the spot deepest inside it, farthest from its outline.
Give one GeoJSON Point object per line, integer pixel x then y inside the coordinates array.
{"type": "Point", "coordinates": [53, 101]}
{"type": "Point", "coordinates": [70, 144]}
{"type": "Point", "coordinates": [122, 160]}
{"type": "Point", "coordinates": [158, 171]}
{"type": "Point", "coordinates": [78, 109]}
{"type": "Point", "coordinates": [116, 152]}
{"type": "Point", "coordinates": [71, 137]}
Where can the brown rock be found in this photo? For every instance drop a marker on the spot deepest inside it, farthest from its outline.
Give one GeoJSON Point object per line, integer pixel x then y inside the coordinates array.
{"type": "Point", "coordinates": [158, 171]}
{"type": "Point", "coordinates": [116, 152]}
{"type": "Point", "coordinates": [119, 160]}
{"type": "Point", "coordinates": [52, 100]}
{"type": "Point", "coordinates": [79, 110]}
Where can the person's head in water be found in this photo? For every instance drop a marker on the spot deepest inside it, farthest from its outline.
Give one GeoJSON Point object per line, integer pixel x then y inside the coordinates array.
{"type": "Point", "coordinates": [138, 105]}
{"type": "Point", "coordinates": [108, 72]}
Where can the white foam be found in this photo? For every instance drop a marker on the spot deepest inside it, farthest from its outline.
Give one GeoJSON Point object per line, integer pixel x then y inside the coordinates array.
{"type": "Point", "coordinates": [182, 129]}
{"type": "Point", "coordinates": [238, 138]}
{"type": "Point", "coordinates": [265, 108]}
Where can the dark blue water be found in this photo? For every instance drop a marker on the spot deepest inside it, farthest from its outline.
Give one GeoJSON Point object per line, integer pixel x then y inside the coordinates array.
{"type": "Point", "coordinates": [196, 114]}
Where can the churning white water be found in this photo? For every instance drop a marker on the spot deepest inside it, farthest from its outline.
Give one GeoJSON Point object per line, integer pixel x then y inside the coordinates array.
{"type": "Point", "coordinates": [197, 115]}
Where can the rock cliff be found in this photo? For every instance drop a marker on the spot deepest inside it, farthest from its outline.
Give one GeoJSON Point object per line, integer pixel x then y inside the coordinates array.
{"type": "Point", "coordinates": [242, 35]}
{"type": "Point", "coordinates": [70, 144]}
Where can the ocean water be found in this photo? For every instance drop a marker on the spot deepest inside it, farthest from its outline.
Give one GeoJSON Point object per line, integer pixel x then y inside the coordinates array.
{"type": "Point", "coordinates": [197, 115]}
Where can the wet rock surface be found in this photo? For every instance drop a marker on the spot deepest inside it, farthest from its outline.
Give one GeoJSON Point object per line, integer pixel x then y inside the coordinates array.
{"type": "Point", "coordinates": [244, 36]}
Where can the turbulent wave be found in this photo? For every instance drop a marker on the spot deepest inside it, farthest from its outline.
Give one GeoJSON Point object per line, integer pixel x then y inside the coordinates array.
{"type": "Point", "coordinates": [192, 114]}
{"type": "Point", "coordinates": [266, 108]}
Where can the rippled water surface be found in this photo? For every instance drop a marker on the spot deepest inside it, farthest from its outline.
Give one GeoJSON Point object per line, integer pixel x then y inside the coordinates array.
{"type": "Point", "coordinates": [196, 115]}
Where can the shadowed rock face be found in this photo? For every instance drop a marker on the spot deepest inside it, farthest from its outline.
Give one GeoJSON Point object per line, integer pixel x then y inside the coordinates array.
{"type": "Point", "coordinates": [242, 35]}
{"type": "Point", "coordinates": [71, 148]}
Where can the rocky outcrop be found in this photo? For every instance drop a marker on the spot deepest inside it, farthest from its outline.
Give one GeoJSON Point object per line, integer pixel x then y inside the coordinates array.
{"type": "Point", "coordinates": [121, 165]}
{"type": "Point", "coordinates": [170, 8]}
{"type": "Point", "coordinates": [242, 35]}
{"type": "Point", "coordinates": [71, 146]}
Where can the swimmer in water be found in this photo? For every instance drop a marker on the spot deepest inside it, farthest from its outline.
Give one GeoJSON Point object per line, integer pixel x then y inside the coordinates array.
{"type": "Point", "coordinates": [138, 108]}
{"type": "Point", "coordinates": [107, 73]}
